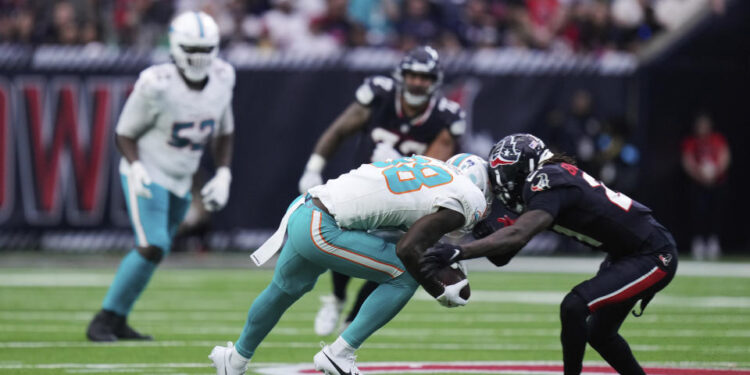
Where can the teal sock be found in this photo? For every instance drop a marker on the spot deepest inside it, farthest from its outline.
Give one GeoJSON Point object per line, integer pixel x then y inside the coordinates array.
{"type": "Point", "coordinates": [263, 315]}
{"type": "Point", "coordinates": [379, 308]}
{"type": "Point", "coordinates": [131, 278]}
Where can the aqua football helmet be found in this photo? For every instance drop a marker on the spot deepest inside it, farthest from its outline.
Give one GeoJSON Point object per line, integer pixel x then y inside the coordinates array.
{"type": "Point", "coordinates": [193, 43]}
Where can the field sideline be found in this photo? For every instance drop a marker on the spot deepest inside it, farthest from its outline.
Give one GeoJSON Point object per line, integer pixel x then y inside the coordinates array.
{"type": "Point", "coordinates": [700, 322]}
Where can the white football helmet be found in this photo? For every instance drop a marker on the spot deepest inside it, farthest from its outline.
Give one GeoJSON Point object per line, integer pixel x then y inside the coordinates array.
{"type": "Point", "coordinates": [193, 43]}
{"type": "Point", "coordinates": [476, 169]}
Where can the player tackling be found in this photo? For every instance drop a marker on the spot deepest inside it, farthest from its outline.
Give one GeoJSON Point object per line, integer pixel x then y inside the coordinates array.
{"type": "Point", "coordinates": [550, 192]}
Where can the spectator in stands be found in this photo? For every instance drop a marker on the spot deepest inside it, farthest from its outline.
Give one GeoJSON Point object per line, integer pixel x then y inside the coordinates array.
{"type": "Point", "coordinates": [143, 24]}
{"type": "Point", "coordinates": [284, 27]}
{"type": "Point", "coordinates": [418, 25]}
{"type": "Point", "coordinates": [335, 24]}
{"type": "Point", "coordinates": [542, 22]}
{"type": "Point", "coordinates": [479, 27]}
{"type": "Point", "coordinates": [705, 159]}
{"type": "Point", "coordinates": [575, 132]}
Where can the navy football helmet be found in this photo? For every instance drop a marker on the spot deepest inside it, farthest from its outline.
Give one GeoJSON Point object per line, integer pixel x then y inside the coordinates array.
{"type": "Point", "coordinates": [421, 60]}
{"type": "Point", "coordinates": [511, 161]}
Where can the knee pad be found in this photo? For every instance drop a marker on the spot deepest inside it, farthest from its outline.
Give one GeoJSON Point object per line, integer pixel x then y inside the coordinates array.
{"type": "Point", "coordinates": [573, 307]}
{"type": "Point", "coordinates": [152, 254]}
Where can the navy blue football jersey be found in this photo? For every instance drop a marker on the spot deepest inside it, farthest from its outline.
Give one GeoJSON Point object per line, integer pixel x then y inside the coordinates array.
{"type": "Point", "coordinates": [587, 210]}
{"type": "Point", "coordinates": [389, 124]}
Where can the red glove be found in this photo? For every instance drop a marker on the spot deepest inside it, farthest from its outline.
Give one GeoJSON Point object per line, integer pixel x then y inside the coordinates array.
{"type": "Point", "coordinates": [506, 221]}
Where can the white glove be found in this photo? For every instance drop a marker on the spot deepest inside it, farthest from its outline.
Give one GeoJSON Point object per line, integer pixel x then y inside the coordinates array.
{"type": "Point", "coordinates": [312, 176]}
{"type": "Point", "coordinates": [215, 192]}
{"type": "Point", "coordinates": [383, 151]}
{"type": "Point", "coordinates": [139, 179]}
{"type": "Point", "coordinates": [309, 179]}
{"type": "Point", "coordinates": [451, 297]}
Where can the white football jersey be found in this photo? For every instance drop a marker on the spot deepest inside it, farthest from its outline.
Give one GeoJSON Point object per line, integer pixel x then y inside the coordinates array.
{"type": "Point", "coordinates": [395, 194]}
{"type": "Point", "coordinates": [173, 124]}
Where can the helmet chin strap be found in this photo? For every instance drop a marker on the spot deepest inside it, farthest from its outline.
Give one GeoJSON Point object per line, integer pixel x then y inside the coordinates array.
{"type": "Point", "coordinates": [414, 100]}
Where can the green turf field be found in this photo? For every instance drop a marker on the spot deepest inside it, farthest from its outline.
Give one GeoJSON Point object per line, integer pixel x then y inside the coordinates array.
{"type": "Point", "coordinates": [695, 322]}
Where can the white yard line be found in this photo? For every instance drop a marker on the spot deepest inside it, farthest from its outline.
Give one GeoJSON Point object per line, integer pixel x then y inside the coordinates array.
{"type": "Point", "coordinates": [576, 265]}
{"type": "Point", "coordinates": [589, 265]}
{"type": "Point", "coordinates": [174, 317]}
{"type": "Point", "coordinates": [554, 298]}
{"type": "Point", "coordinates": [727, 349]}
{"type": "Point", "coordinates": [286, 368]}
{"type": "Point", "coordinates": [475, 334]}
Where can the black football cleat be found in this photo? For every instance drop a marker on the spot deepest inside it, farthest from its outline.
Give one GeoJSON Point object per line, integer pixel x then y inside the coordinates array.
{"type": "Point", "coordinates": [108, 327]}
{"type": "Point", "coordinates": [126, 332]}
{"type": "Point", "coordinates": [102, 327]}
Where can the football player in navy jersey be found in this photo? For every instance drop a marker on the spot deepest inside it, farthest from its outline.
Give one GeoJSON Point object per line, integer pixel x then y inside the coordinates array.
{"type": "Point", "coordinates": [550, 192]}
{"type": "Point", "coordinates": [399, 116]}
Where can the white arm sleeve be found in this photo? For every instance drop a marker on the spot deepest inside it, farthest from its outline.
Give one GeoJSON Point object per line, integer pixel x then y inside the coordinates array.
{"type": "Point", "coordinates": [226, 123]}
{"type": "Point", "coordinates": [138, 113]}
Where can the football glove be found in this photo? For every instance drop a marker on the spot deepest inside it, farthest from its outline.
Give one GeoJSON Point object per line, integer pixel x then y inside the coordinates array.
{"type": "Point", "coordinates": [451, 295]}
{"type": "Point", "coordinates": [506, 221]}
{"type": "Point", "coordinates": [383, 151]}
{"type": "Point", "coordinates": [215, 192]}
{"type": "Point", "coordinates": [139, 179]}
{"type": "Point", "coordinates": [309, 179]}
{"type": "Point", "coordinates": [312, 176]}
{"type": "Point", "coordinates": [439, 256]}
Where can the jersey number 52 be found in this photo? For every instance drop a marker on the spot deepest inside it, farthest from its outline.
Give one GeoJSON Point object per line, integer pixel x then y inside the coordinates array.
{"type": "Point", "coordinates": [191, 134]}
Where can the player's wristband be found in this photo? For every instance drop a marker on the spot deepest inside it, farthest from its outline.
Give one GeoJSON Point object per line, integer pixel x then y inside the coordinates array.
{"type": "Point", "coordinates": [224, 173]}
{"type": "Point", "coordinates": [316, 163]}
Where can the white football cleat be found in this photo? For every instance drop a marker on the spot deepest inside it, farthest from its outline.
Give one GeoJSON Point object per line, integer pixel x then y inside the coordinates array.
{"type": "Point", "coordinates": [335, 365]}
{"type": "Point", "coordinates": [227, 361]}
{"type": "Point", "coordinates": [328, 315]}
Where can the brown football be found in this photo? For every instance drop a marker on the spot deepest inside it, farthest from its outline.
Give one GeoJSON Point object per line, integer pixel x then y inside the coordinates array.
{"type": "Point", "coordinates": [449, 276]}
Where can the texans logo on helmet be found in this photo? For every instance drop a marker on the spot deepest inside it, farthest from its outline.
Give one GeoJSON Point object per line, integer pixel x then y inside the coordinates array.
{"type": "Point", "coordinates": [506, 155]}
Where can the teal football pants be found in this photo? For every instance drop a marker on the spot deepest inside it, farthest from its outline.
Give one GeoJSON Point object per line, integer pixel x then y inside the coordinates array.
{"type": "Point", "coordinates": [155, 221]}
{"type": "Point", "coordinates": [315, 244]}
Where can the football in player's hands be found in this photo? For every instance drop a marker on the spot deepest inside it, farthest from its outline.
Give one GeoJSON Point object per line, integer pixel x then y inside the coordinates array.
{"type": "Point", "coordinates": [446, 276]}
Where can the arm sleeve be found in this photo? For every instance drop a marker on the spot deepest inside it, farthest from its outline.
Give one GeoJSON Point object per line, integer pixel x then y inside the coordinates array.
{"type": "Point", "coordinates": [226, 123]}
{"type": "Point", "coordinates": [139, 111]}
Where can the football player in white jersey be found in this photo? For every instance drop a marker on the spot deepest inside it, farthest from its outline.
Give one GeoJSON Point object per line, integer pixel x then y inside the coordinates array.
{"type": "Point", "coordinates": [175, 109]}
{"type": "Point", "coordinates": [328, 229]}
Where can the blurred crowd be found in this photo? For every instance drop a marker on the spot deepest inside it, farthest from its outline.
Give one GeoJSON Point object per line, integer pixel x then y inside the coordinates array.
{"type": "Point", "coordinates": [328, 25]}
{"type": "Point", "coordinates": [602, 146]}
